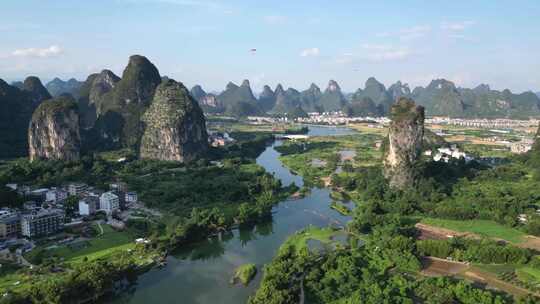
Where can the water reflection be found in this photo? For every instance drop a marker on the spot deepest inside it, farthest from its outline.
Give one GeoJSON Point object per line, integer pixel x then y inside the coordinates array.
{"type": "Point", "coordinates": [200, 273]}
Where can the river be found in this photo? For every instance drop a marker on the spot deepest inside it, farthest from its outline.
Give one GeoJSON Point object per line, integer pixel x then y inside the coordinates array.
{"type": "Point", "coordinates": [200, 273]}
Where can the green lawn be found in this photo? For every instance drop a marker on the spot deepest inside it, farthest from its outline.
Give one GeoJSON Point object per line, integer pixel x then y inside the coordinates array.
{"type": "Point", "coordinates": [98, 247]}
{"type": "Point", "coordinates": [486, 228]}
{"type": "Point", "coordinates": [9, 275]}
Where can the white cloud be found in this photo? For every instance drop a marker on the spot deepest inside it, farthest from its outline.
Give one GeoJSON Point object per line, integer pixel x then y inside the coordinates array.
{"type": "Point", "coordinates": [51, 51]}
{"type": "Point", "coordinates": [408, 33]}
{"type": "Point", "coordinates": [312, 52]}
{"type": "Point", "coordinates": [414, 32]}
{"type": "Point", "coordinates": [275, 19]}
{"type": "Point", "coordinates": [457, 26]}
{"type": "Point", "coordinates": [382, 52]}
{"type": "Point", "coordinates": [192, 3]}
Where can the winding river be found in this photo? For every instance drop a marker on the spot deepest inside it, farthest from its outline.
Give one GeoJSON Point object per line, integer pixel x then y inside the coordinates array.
{"type": "Point", "coordinates": [200, 273]}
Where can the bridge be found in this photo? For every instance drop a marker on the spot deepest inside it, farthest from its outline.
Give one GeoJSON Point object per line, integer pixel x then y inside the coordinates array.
{"type": "Point", "coordinates": [291, 136]}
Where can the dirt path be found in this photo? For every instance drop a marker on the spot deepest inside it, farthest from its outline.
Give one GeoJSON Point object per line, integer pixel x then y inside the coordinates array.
{"type": "Point", "coordinates": [531, 242]}
{"type": "Point", "coordinates": [432, 232]}
{"type": "Point", "coordinates": [432, 266]}
{"type": "Point", "coordinates": [100, 228]}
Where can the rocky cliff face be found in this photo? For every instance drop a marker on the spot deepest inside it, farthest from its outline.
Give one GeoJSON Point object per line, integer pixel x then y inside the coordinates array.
{"type": "Point", "coordinates": [120, 110]}
{"type": "Point", "coordinates": [239, 100]}
{"type": "Point", "coordinates": [440, 97]}
{"type": "Point", "coordinates": [332, 99]}
{"type": "Point", "coordinates": [91, 96]}
{"type": "Point", "coordinates": [54, 130]}
{"type": "Point", "coordinates": [208, 102]}
{"type": "Point", "coordinates": [310, 99]}
{"type": "Point", "coordinates": [404, 145]}
{"type": "Point", "coordinates": [267, 99]}
{"type": "Point", "coordinates": [175, 127]}
{"type": "Point", "coordinates": [16, 108]}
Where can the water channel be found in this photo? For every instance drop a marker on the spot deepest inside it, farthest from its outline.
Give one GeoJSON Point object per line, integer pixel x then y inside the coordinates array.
{"type": "Point", "coordinates": [200, 273]}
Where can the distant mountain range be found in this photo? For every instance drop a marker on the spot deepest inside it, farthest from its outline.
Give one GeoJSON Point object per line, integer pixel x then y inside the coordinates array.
{"type": "Point", "coordinates": [57, 87]}
{"type": "Point", "coordinates": [440, 98]}
{"type": "Point", "coordinates": [104, 92]}
{"type": "Point", "coordinates": [110, 108]}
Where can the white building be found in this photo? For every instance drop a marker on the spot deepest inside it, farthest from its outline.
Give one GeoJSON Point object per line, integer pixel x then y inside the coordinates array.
{"type": "Point", "coordinates": [56, 195]}
{"type": "Point", "coordinates": [109, 202]}
{"type": "Point", "coordinates": [88, 205]}
{"type": "Point", "coordinates": [131, 197]}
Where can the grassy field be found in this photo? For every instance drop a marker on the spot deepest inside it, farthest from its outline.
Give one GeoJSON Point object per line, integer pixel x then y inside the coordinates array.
{"type": "Point", "coordinates": [486, 228]}
{"type": "Point", "coordinates": [100, 246]}
{"type": "Point", "coordinates": [10, 275]}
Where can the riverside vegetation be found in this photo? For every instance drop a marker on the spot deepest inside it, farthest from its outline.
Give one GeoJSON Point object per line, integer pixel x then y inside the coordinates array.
{"type": "Point", "coordinates": [484, 202]}
{"type": "Point", "coordinates": [198, 199]}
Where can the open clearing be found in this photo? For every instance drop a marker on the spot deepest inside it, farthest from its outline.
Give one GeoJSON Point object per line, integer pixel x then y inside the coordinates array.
{"type": "Point", "coordinates": [485, 228]}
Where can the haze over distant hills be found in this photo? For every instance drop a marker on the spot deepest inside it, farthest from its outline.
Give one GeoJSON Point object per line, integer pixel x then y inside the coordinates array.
{"type": "Point", "coordinates": [439, 97]}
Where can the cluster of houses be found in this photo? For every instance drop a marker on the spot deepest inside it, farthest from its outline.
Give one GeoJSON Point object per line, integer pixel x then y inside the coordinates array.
{"type": "Point", "coordinates": [483, 123]}
{"type": "Point", "coordinates": [445, 154]}
{"type": "Point", "coordinates": [44, 212]}
{"type": "Point", "coordinates": [326, 118]}
{"type": "Point", "coordinates": [219, 139]}
{"type": "Point", "coordinates": [524, 146]}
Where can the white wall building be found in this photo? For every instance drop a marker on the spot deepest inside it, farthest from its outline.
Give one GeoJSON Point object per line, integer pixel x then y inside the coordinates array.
{"type": "Point", "coordinates": [56, 195]}
{"type": "Point", "coordinates": [88, 205]}
{"type": "Point", "coordinates": [109, 202]}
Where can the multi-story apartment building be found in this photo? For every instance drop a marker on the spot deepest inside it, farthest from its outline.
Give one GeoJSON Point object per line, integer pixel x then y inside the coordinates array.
{"type": "Point", "coordinates": [77, 188]}
{"type": "Point", "coordinates": [109, 202]}
{"type": "Point", "coordinates": [42, 222]}
{"type": "Point", "coordinates": [9, 223]}
{"type": "Point", "coordinates": [56, 195]}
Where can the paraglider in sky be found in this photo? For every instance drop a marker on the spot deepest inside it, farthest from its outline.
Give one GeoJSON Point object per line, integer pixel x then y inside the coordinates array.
{"type": "Point", "coordinates": [253, 51]}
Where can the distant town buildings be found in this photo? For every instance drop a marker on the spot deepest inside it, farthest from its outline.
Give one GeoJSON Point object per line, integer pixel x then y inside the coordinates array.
{"type": "Point", "coordinates": [88, 205]}
{"type": "Point", "coordinates": [131, 197]}
{"type": "Point", "coordinates": [524, 146]}
{"type": "Point", "coordinates": [109, 202]}
{"type": "Point", "coordinates": [446, 153]}
{"type": "Point", "coordinates": [77, 188]}
{"type": "Point", "coordinates": [43, 213]}
{"type": "Point", "coordinates": [9, 223]}
{"type": "Point", "coordinates": [326, 118]}
{"type": "Point", "coordinates": [56, 195]}
{"type": "Point", "coordinates": [217, 139]}
{"type": "Point", "coordinates": [483, 123]}
{"type": "Point", "coordinates": [42, 222]}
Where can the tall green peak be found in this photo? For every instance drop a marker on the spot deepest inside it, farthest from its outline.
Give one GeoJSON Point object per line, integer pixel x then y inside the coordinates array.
{"type": "Point", "coordinates": [174, 125]}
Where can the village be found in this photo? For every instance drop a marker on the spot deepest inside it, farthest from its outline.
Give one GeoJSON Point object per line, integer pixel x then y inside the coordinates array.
{"type": "Point", "coordinates": [65, 216]}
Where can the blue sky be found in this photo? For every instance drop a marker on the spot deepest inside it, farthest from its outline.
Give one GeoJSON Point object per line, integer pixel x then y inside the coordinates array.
{"type": "Point", "coordinates": [208, 42]}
